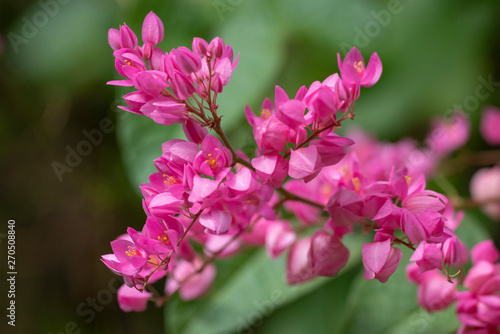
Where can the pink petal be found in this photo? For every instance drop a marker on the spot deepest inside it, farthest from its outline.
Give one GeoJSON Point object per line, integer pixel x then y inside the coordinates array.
{"type": "Point", "coordinates": [490, 125]}
{"type": "Point", "coordinates": [304, 162]}
{"type": "Point", "coordinates": [298, 266]}
{"type": "Point", "coordinates": [327, 254]}
{"type": "Point", "coordinates": [130, 299]}
{"type": "Point", "coordinates": [372, 72]}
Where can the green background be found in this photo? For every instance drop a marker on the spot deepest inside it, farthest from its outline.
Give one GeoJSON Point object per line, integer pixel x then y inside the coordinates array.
{"type": "Point", "coordinates": [52, 86]}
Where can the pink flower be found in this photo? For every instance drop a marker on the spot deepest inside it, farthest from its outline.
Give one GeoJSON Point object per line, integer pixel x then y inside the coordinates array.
{"type": "Point", "coordinates": [152, 33]}
{"type": "Point", "coordinates": [271, 168]}
{"type": "Point", "coordinates": [200, 46]}
{"type": "Point", "coordinates": [449, 135]}
{"type": "Point", "coordinates": [128, 63]}
{"type": "Point", "coordinates": [354, 72]}
{"type": "Point", "coordinates": [223, 245]}
{"type": "Point", "coordinates": [479, 307]}
{"type": "Point", "coordinates": [380, 260]}
{"type": "Point", "coordinates": [189, 280]}
{"type": "Point", "coordinates": [194, 132]}
{"type": "Point", "coordinates": [422, 226]}
{"type": "Point", "coordinates": [279, 236]}
{"type": "Point", "coordinates": [214, 159]}
{"type": "Point", "coordinates": [164, 110]}
{"type": "Point", "coordinates": [345, 207]}
{"type": "Point", "coordinates": [187, 61]}
{"type": "Point", "coordinates": [298, 266]}
{"type": "Point", "coordinates": [216, 221]}
{"type": "Point", "coordinates": [327, 254]}
{"type": "Point", "coordinates": [178, 152]}
{"type": "Point", "coordinates": [490, 123]}
{"type": "Point", "coordinates": [305, 163]}
{"type": "Point", "coordinates": [159, 236]}
{"type": "Point", "coordinates": [135, 100]}
{"type": "Point", "coordinates": [130, 299]}
{"type": "Point", "coordinates": [485, 251]}
{"type": "Point", "coordinates": [164, 205]}
{"type": "Point", "coordinates": [453, 249]}
{"type": "Point", "coordinates": [204, 190]}
{"type": "Point", "coordinates": [127, 258]}
{"type": "Point", "coordinates": [425, 200]}
{"type": "Point", "coordinates": [216, 47]}
{"type": "Point", "coordinates": [242, 182]}
{"type": "Point", "coordinates": [485, 189]}
{"type": "Point", "coordinates": [434, 292]}
{"type": "Point", "coordinates": [182, 85]}
{"type": "Point", "coordinates": [125, 38]}
{"type": "Point", "coordinates": [427, 256]}
{"type": "Point", "coordinates": [271, 134]}
{"type": "Point", "coordinates": [323, 103]}
{"type": "Point", "coordinates": [150, 82]}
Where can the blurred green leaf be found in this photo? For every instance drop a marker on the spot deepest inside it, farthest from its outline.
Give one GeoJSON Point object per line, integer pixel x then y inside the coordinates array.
{"type": "Point", "coordinates": [391, 307]}
{"type": "Point", "coordinates": [245, 294]}
{"type": "Point", "coordinates": [62, 48]}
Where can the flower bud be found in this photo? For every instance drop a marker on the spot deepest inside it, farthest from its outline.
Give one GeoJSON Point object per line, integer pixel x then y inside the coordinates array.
{"type": "Point", "coordinates": [485, 189]}
{"type": "Point", "coordinates": [187, 61]}
{"type": "Point", "coordinates": [216, 47]}
{"type": "Point", "coordinates": [130, 299]}
{"type": "Point", "coordinates": [490, 123]}
{"type": "Point", "coordinates": [152, 29]}
{"type": "Point", "coordinates": [200, 46]}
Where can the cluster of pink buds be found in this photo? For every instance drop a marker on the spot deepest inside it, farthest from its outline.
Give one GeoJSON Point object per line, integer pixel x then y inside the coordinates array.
{"type": "Point", "coordinates": [208, 200]}
{"type": "Point", "coordinates": [478, 307]}
{"type": "Point", "coordinates": [175, 87]}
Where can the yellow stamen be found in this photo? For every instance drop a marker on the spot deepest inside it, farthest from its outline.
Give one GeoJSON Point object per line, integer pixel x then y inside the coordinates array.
{"type": "Point", "coordinates": [128, 62]}
{"type": "Point", "coordinates": [212, 162]}
{"type": "Point", "coordinates": [132, 251]}
{"type": "Point", "coordinates": [170, 180]}
{"type": "Point", "coordinates": [326, 190]}
{"type": "Point", "coordinates": [408, 180]}
{"type": "Point", "coordinates": [346, 173]}
{"type": "Point", "coordinates": [265, 113]}
{"type": "Point", "coordinates": [356, 184]}
{"type": "Point", "coordinates": [163, 237]}
{"type": "Point", "coordinates": [359, 67]}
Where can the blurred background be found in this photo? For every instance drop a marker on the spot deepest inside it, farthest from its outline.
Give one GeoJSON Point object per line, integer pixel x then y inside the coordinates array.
{"type": "Point", "coordinates": [68, 206]}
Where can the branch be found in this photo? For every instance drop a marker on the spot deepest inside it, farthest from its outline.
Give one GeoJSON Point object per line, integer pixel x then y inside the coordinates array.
{"type": "Point", "coordinates": [293, 197]}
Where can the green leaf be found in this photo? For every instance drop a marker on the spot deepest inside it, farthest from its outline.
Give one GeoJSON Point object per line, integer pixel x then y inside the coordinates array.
{"type": "Point", "coordinates": [320, 311]}
{"type": "Point", "coordinates": [59, 47]}
{"type": "Point", "coordinates": [245, 294]}
{"type": "Point", "coordinates": [391, 307]}
{"type": "Point", "coordinates": [140, 141]}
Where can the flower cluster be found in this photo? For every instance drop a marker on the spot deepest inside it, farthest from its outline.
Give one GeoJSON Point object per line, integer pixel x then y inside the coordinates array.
{"type": "Point", "coordinates": [172, 87]}
{"type": "Point", "coordinates": [207, 200]}
{"type": "Point", "coordinates": [205, 192]}
{"type": "Point", "coordinates": [485, 184]}
{"type": "Point", "coordinates": [478, 308]}
{"type": "Point", "coordinates": [375, 186]}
